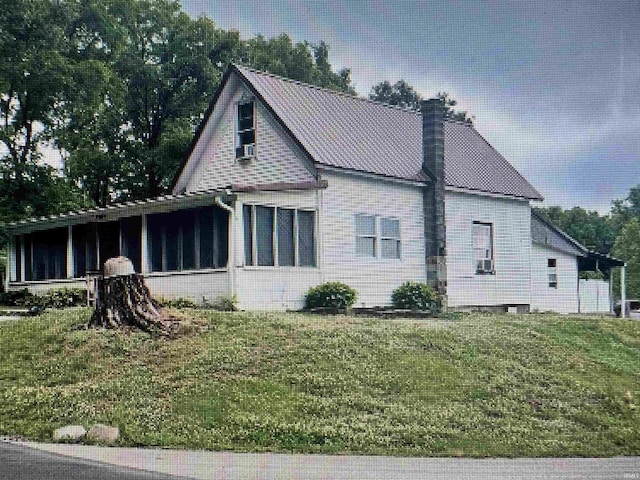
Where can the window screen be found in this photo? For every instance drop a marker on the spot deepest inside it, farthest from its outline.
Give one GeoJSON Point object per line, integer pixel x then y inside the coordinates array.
{"type": "Point", "coordinates": [390, 238]}
{"type": "Point", "coordinates": [306, 239]}
{"type": "Point", "coordinates": [264, 235]}
{"type": "Point", "coordinates": [286, 246]}
{"type": "Point", "coordinates": [247, 215]}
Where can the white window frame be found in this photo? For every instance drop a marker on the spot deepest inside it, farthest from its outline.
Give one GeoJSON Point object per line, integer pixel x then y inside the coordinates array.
{"type": "Point", "coordinates": [491, 255]}
{"type": "Point", "coordinates": [274, 240]}
{"type": "Point", "coordinates": [378, 237]}
{"type": "Point", "coordinates": [239, 132]}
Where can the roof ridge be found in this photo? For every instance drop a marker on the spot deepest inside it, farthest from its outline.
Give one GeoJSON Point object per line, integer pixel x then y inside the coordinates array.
{"type": "Point", "coordinates": [327, 90]}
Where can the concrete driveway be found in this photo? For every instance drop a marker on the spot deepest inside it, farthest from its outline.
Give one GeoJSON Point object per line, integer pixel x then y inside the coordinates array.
{"type": "Point", "coordinates": [268, 466]}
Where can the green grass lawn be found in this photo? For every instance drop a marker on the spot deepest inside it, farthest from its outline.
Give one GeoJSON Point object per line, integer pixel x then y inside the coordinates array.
{"type": "Point", "coordinates": [478, 385]}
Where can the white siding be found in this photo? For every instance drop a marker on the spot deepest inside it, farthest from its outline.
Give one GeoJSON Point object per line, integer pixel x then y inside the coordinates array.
{"type": "Point", "coordinates": [564, 298]}
{"type": "Point", "coordinates": [373, 278]}
{"type": "Point", "coordinates": [594, 296]}
{"type": "Point", "coordinates": [278, 158]}
{"type": "Point", "coordinates": [199, 286]}
{"type": "Point", "coordinates": [274, 288]}
{"type": "Point", "coordinates": [511, 220]}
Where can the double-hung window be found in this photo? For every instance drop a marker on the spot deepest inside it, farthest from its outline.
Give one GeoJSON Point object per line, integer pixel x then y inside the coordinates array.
{"type": "Point", "coordinates": [552, 272]}
{"type": "Point", "coordinates": [483, 247]}
{"type": "Point", "coordinates": [377, 236]}
{"type": "Point", "coordinates": [245, 130]}
{"type": "Point", "coordinates": [279, 236]}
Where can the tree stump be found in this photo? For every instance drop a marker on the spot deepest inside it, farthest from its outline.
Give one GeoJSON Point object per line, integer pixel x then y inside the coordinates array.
{"type": "Point", "coordinates": [123, 300]}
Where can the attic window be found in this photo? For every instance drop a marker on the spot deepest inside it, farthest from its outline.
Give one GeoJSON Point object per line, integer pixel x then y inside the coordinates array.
{"type": "Point", "coordinates": [246, 130]}
{"type": "Point", "coordinates": [552, 271]}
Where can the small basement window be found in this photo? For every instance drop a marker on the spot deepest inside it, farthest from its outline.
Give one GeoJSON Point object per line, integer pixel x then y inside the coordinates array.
{"type": "Point", "coordinates": [552, 272]}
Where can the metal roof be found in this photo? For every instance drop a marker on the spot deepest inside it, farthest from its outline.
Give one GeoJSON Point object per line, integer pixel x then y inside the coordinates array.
{"type": "Point", "coordinates": [344, 131]}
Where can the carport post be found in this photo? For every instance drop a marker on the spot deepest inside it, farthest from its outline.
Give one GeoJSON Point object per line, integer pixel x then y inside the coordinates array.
{"type": "Point", "coordinates": [623, 291]}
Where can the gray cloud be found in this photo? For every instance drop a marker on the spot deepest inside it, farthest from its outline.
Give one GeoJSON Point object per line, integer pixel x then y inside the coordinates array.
{"type": "Point", "coordinates": [555, 86]}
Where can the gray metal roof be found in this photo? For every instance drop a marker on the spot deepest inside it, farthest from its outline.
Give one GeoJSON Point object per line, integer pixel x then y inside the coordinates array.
{"type": "Point", "coordinates": [546, 234]}
{"type": "Point", "coordinates": [340, 130]}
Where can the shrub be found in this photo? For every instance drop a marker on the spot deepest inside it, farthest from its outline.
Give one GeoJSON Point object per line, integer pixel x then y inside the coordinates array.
{"type": "Point", "coordinates": [334, 295]}
{"type": "Point", "coordinates": [177, 303]}
{"type": "Point", "coordinates": [415, 296]}
{"type": "Point", "coordinates": [226, 304]}
{"type": "Point", "coordinates": [16, 298]}
{"type": "Point", "coordinates": [61, 298]}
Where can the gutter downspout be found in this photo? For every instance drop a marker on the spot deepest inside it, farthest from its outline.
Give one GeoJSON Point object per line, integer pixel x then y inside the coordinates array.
{"type": "Point", "coordinates": [231, 262]}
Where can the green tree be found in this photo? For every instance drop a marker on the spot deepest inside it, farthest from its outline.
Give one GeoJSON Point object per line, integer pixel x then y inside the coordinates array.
{"type": "Point", "coordinates": [301, 61]}
{"type": "Point", "coordinates": [404, 95]}
{"type": "Point", "coordinates": [622, 211]}
{"type": "Point", "coordinates": [592, 230]}
{"type": "Point", "coordinates": [627, 248]}
{"type": "Point", "coordinates": [36, 78]}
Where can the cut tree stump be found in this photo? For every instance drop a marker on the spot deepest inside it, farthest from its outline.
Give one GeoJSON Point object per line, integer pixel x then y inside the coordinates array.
{"type": "Point", "coordinates": [123, 300]}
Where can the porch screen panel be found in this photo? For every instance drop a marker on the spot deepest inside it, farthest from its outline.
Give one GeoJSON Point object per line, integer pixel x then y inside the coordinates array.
{"type": "Point", "coordinates": [79, 233]}
{"type": "Point", "coordinates": [131, 228]}
{"type": "Point", "coordinates": [17, 259]}
{"type": "Point", "coordinates": [220, 237]}
{"type": "Point", "coordinates": [154, 240]}
{"type": "Point", "coordinates": [171, 223]}
{"type": "Point", "coordinates": [188, 227]}
{"type": "Point", "coordinates": [50, 254]}
{"type": "Point", "coordinates": [264, 235]}
{"type": "Point", "coordinates": [28, 257]}
{"type": "Point", "coordinates": [109, 238]}
{"type": "Point", "coordinates": [306, 242]}
{"type": "Point", "coordinates": [248, 238]}
{"type": "Point", "coordinates": [206, 237]}
{"type": "Point", "coordinates": [286, 255]}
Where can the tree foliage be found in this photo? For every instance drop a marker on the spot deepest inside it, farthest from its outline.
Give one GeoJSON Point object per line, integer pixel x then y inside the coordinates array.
{"type": "Point", "coordinates": [592, 230]}
{"type": "Point", "coordinates": [37, 78]}
{"type": "Point", "coordinates": [403, 95]}
{"type": "Point", "coordinates": [627, 247]}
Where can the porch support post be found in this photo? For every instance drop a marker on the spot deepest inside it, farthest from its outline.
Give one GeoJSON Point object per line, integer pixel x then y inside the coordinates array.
{"type": "Point", "coordinates": [144, 254]}
{"type": "Point", "coordinates": [23, 260]}
{"type": "Point", "coordinates": [623, 291]}
{"type": "Point", "coordinates": [70, 263]}
{"type": "Point", "coordinates": [610, 282]}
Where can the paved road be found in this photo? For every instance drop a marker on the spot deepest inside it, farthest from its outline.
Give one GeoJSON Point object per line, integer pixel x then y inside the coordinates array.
{"type": "Point", "coordinates": [19, 462]}
{"type": "Point", "coordinates": [266, 466]}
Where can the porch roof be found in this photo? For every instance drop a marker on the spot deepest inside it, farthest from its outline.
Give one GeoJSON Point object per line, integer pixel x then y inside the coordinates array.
{"type": "Point", "coordinates": [120, 210]}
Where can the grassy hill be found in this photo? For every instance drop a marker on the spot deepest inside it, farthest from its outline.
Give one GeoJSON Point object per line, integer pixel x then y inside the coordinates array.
{"type": "Point", "coordinates": [478, 385]}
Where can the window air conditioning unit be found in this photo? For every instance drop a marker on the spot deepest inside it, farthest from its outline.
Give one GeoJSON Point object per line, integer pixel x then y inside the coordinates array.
{"type": "Point", "coordinates": [245, 152]}
{"type": "Point", "coordinates": [485, 265]}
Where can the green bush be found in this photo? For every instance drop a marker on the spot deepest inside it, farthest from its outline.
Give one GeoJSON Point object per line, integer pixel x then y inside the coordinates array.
{"type": "Point", "coordinates": [334, 295]}
{"type": "Point", "coordinates": [226, 304]}
{"type": "Point", "coordinates": [55, 298]}
{"type": "Point", "coordinates": [177, 303]}
{"type": "Point", "coordinates": [415, 296]}
{"type": "Point", "coordinates": [16, 298]}
{"type": "Point", "coordinates": [61, 298]}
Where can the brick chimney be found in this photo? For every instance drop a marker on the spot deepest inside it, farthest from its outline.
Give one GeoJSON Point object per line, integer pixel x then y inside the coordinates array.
{"type": "Point", "coordinates": [433, 163]}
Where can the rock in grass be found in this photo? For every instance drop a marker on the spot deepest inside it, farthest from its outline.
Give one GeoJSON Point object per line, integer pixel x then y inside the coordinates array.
{"type": "Point", "coordinates": [70, 432]}
{"type": "Point", "coordinates": [103, 433]}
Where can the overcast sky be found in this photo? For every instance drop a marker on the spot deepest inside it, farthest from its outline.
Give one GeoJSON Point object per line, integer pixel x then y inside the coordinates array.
{"type": "Point", "coordinates": [554, 86]}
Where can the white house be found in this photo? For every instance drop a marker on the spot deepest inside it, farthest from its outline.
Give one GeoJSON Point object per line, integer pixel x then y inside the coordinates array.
{"type": "Point", "coordinates": [288, 185]}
